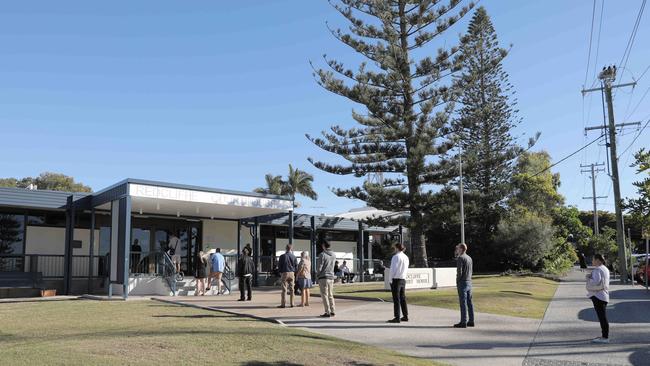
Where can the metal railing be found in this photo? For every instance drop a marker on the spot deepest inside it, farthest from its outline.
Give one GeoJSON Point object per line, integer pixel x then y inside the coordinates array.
{"type": "Point", "coordinates": [12, 263]}
{"type": "Point", "coordinates": [167, 270]}
{"type": "Point", "coordinates": [53, 265]}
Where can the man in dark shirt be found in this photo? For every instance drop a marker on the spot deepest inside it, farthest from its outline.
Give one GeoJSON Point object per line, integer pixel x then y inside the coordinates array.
{"type": "Point", "coordinates": [464, 285]}
{"type": "Point", "coordinates": [287, 265]}
{"type": "Point", "coordinates": [245, 270]}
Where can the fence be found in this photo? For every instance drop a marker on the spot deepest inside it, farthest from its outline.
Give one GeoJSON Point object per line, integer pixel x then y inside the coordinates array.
{"type": "Point", "coordinates": [53, 265]}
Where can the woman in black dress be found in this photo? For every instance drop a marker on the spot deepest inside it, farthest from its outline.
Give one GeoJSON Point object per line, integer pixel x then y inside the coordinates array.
{"type": "Point", "coordinates": [200, 274]}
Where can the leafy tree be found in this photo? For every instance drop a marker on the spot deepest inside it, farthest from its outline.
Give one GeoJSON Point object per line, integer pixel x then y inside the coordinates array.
{"type": "Point", "coordinates": [639, 208]}
{"type": "Point", "coordinates": [537, 218]}
{"type": "Point", "coordinates": [485, 123]}
{"type": "Point", "coordinates": [47, 181]}
{"type": "Point", "coordinates": [404, 130]}
{"type": "Point", "coordinates": [10, 233]}
{"type": "Point", "coordinates": [9, 182]}
{"type": "Point", "coordinates": [524, 240]}
{"type": "Point", "coordinates": [560, 258]}
{"type": "Point", "coordinates": [605, 244]}
{"type": "Point", "coordinates": [297, 182]}
{"type": "Point", "coordinates": [569, 228]}
{"type": "Point", "coordinates": [534, 186]}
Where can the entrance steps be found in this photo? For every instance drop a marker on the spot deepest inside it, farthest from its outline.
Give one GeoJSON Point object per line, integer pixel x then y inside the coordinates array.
{"type": "Point", "coordinates": [187, 287]}
{"type": "Point", "coordinates": [144, 285]}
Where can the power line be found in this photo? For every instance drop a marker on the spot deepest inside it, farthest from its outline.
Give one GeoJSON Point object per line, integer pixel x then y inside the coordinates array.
{"type": "Point", "coordinates": [643, 73]}
{"type": "Point", "coordinates": [591, 36]}
{"type": "Point", "coordinates": [630, 42]}
{"type": "Point", "coordinates": [600, 28]}
{"type": "Point", "coordinates": [637, 105]}
{"type": "Point", "coordinates": [635, 138]}
{"type": "Point", "coordinates": [568, 156]}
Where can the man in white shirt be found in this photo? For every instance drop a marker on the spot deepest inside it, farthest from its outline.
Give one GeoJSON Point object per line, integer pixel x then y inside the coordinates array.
{"type": "Point", "coordinates": [397, 278]}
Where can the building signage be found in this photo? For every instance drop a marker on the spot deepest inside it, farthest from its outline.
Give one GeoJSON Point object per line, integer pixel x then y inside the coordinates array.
{"type": "Point", "coordinates": [187, 195]}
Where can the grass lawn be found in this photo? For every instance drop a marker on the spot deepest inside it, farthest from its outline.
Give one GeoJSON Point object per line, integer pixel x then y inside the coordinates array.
{"type": "Point", "coordinates": [85, 332]}
{"type": "Point", "coordinates": [520, 296]}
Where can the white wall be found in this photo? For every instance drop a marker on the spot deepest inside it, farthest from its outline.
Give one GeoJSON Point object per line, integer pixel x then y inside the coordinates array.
{"type": "Point", "coordinates": [299, 245]}
{"type": "Point", "coordinates": [51, 240]}
{"type": "Point", "coordinates": [222, 234]}
{"type": "Point", "coordinates": [45, 240]}
{"type": "Point", "coordinates": [343, 250]}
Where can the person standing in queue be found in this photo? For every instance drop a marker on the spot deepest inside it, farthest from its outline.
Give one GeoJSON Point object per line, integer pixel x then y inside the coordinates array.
{"type": "Point", "coordinates": [598, 292]}
{"type": "Point", "coordinates": [304, 278]}
{"type": "Point", "coordinates": [200, 274]}
{"type": "Point", "coordinates": [399, 264]}
{"type": "Point", "coordinates": [325, 275]}
{"type": "Point", "coordinates": [217, 266]}
{"type": "Point", "coordinates": [245, 269]}
{"type": "Point", "coordinates": [464, 268]}
{"type": "Point", "coordinates": [287, 265]}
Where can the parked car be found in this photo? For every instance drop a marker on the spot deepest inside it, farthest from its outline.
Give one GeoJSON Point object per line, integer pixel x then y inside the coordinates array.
{"type": "Point", "coordinates": [641, 270]}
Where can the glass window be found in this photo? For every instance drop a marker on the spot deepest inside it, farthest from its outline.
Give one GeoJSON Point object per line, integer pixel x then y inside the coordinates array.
{"type": "Point", "coordinates": [12, 232]}
{"type": "Point", "coordinates": [47, 219]}
{"type": "Point", "coordinates": [104, 240]}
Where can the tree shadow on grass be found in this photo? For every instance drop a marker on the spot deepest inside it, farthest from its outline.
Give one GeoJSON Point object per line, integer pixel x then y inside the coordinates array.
{"type": "Point", "coordinates": [264, 363]}
{"type": "Point", "coordinates": [517, 292]}
{"type": "Point", "coordinates": [288, 363]}
{"type": "Point", "coordinates": [197, 316]}
{"type": "Point", "coordinates": [382, 291]}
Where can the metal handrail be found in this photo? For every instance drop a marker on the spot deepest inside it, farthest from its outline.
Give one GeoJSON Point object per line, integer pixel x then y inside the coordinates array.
{"type": "Point", "coordinates": [169, 271]}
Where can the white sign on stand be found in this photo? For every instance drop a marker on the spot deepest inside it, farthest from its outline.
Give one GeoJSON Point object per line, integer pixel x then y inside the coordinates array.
{"type": "Point", "coordinates": [426, 278]}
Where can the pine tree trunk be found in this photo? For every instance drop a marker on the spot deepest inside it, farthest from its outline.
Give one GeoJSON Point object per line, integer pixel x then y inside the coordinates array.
{"type": "Point", "coordinates": [418, 245]}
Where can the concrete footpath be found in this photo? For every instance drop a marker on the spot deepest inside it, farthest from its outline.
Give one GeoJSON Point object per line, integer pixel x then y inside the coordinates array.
{"type": "Point", "coordinates": [561, 338]}
{"type": "Point", "coordinates": [570, 323]}
{"type": "Point", "coordinates": [497, 340]}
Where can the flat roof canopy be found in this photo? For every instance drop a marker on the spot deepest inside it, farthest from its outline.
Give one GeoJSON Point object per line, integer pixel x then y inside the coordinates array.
{"type": "Point", "coordinates": [160, 198]}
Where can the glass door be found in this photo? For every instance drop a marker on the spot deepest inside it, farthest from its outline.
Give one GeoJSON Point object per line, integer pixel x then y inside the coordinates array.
{"type": "Point", "coordinates": [189, 234]}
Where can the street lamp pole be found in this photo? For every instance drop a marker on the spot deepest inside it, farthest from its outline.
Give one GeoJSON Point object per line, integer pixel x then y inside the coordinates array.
{"type": "Point", "coordinates": [462, 208]}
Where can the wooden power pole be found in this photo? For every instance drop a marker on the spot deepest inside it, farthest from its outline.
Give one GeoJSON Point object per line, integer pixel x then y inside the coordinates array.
{"type": "Point", "coordinates": [594, 168]}
{"type": "Point", "coordinates": [607, 77]}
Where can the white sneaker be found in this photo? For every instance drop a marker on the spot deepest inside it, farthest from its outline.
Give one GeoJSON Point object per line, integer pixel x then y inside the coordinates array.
{"type": "Point", "coordinates": [600, 340]}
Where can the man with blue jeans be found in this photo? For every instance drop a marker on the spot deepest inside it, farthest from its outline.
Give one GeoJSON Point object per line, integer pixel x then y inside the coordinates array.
{"type": "Point", "coordinates": [464, 284]}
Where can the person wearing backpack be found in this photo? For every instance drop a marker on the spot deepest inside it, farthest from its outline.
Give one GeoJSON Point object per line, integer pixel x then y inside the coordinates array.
{"type": "Point", "coordinates": [598, 291]}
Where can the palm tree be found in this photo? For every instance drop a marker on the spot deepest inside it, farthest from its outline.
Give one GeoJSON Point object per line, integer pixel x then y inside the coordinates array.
{"type": "Point", "coordinates": [274, 185]}
{"type": "Point", "coordinates": [299, 182]}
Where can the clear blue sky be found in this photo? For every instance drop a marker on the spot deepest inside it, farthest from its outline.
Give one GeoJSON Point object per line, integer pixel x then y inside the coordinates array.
{"type": "Point", "coordinates": [220, 93]}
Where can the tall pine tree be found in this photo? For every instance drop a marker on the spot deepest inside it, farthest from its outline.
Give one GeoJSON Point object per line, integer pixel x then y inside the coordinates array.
{"type": "Point", "coordinates": [485, 121]}
{"type": "Point", "coordinates": [404, 131]}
